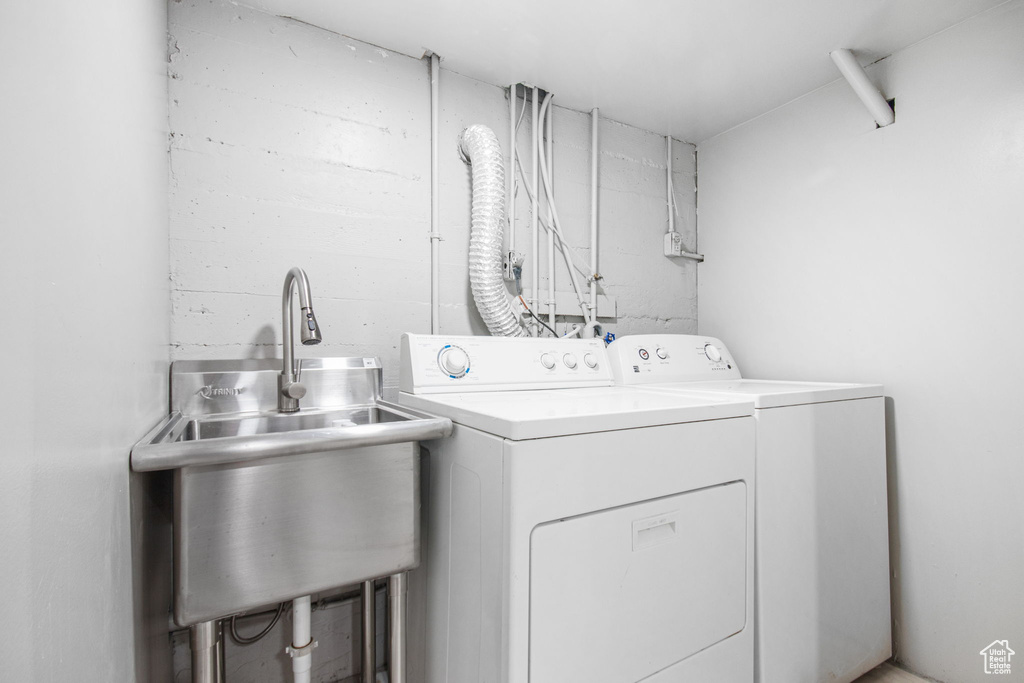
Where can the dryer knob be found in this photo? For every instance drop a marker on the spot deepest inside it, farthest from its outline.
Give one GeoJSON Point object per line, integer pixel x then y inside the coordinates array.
{"type": "Point", "coordinates": [454, 361]}
{"type": "Point", "coordinates": [712, 352]}
{"type": "Point", "coordinates": [662, 353]}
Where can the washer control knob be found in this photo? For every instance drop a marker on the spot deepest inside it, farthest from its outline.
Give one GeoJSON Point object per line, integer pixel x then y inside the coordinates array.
{"type": "Point", "coordinates": [590, 359]}
{"type": "Point", "coordinates": [662, 353]}
{"type": "Point", "coordinates": [712, 352]}
{"type": "Point", "coordinates": [644, 355]}
{"type": "Point", "coordinates": [453, 361]}
{"type": "Point", "coordinates": [570, 361]}
{"type": "Point", "coordinates": [547, 360]}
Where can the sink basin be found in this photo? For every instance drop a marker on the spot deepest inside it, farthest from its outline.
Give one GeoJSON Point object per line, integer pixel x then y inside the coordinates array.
{"type": "Point", "coordinates": [271, 506]}
{"type": "Point", "coordinates": [217, 428]}
{"type": "Point", "coordinates": [180, 441]}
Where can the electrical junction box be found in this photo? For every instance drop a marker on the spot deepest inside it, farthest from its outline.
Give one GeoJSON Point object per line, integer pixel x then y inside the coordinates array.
{"type": "Point", "coordinates": [513, 260]}
{"type": "Point", "coordinates": [673, 244]}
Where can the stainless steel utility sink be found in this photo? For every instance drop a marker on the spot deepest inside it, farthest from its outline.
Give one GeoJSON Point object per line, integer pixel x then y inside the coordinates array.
{"type": "Point", "coordinates": [271, 506]}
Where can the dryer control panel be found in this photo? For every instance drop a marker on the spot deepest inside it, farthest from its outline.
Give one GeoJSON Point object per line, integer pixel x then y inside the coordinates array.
{"type": "Point", "coordinates": [652, 358]}
{"type": "Point", "coordinates": [433, 364]}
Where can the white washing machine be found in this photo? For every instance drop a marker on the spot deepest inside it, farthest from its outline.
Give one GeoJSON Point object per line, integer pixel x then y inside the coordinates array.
{"type": "Point", "coordinates": [822, 575]}
{"type": "Point", "coordinates": [577, 531]}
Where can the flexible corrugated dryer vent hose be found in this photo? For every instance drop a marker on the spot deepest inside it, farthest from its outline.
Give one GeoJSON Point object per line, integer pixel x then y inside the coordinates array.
{"type": "Point", "coordinates": [479, 146]}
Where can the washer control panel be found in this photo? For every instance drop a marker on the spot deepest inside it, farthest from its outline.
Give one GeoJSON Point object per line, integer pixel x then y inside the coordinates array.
{"type": "Point", "coordinates": [443, 364]}
{"type": "Point", "coordinates": [651, 358]}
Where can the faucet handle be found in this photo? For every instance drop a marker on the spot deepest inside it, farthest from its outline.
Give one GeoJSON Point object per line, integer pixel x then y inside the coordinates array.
{"type": "Point", "coordinates": [294, 390]}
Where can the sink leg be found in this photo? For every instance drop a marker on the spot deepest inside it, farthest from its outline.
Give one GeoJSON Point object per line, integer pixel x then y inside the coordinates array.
{"type": "Point", "coordinates": [369, 632]}
{"type": "Point", "coordinates": [207, 652]}
{"type": "Point", "coordinates": [221, 672]}
{"type": "Point", "coordinates": [397, 607]}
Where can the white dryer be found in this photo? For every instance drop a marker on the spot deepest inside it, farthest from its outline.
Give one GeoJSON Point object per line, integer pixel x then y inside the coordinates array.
{"type": "Point", "coordinates": [822, 575]}
{"type": "Point", "coordinates": [577, 531]}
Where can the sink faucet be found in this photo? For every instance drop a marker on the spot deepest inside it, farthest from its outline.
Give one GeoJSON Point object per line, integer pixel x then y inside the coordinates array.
{"type": "Point", "coordinates": [289, 388]}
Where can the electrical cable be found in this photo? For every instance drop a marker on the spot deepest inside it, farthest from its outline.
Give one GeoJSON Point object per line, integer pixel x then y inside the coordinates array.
{"type": "Point", "coordinates": [562, 245]}
{"type": "Point", "coordinates": [249, 640]}
{"type": "Point", "coordinates": [518, 272]}
{"type": "Point", "coordinates": [546, 175]}
{"type": "Point", "coordinates": [568, 252]}
{"type": "Point", "coordinates": [538, 319]}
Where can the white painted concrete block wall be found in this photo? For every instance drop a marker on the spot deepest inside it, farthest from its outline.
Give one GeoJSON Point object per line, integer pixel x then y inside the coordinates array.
{"type": "Point", "coordinates": [841, 252]}
{"type": "Point", "coordinates": [296, 146]}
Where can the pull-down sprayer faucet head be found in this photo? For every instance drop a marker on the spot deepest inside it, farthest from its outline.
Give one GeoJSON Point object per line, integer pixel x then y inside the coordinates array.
{"type": "Point", "coordinates": [310, 334]}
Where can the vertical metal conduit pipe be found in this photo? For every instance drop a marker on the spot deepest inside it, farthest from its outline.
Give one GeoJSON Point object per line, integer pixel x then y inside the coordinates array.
{"type": "Point", "coordinates": [513, 96]}
{"type": "Point", "coordinates": [549, 128]}
{"type": "Point", "coordinates": [534, 218]}
{"type": "Point", "coordinates": [205, 641]}
{"type": "Point", "coordinates": [397, 612]}
{"type": "Point", "coordinates": [369, 632]}
{"type": "Point", "coordinates": [595, 155]}
{"type": "Point", "coordinates": [669, 195]}
{"type": "Point", "coordinates": [435, 200]}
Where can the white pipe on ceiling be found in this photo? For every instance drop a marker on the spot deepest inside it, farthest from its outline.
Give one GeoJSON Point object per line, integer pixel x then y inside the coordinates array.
{"type": "Point", "coordinates": [858, 79]}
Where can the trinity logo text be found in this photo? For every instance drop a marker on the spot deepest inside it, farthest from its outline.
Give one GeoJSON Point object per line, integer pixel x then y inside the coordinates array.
{"type": "Point", "coordinates": [997, 657]}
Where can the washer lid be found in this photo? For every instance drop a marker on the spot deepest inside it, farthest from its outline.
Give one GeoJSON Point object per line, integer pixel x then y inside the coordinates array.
{"type": "Point", "coordinates": [771, 393]}
{"type": "Point", "coordinates": [521, 415]}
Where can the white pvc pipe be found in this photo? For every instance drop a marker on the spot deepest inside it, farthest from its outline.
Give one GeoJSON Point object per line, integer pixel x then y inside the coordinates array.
{"type": "Point", "coordinates": [513, 96]}
{"type": "Point", "coordinates": [595, 119]}
{"type": "Point", "coordinates": [551, 200]}
{"type": "Point", "coordinates": [534, 219]}
{"type": "Point", "coordinates": [435, 198]}
{"type": "Point", "coordinates": [858, 79]}
{"type": "Point", "coordinates": [302, 642]}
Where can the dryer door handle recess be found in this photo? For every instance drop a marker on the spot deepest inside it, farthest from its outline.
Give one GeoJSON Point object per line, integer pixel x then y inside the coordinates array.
{"type": "Point", "coordinates": [654, 530]}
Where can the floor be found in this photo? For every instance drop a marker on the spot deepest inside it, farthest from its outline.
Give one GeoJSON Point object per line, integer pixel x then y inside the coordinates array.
{"type": "Point", "coordinates": [887, 673]}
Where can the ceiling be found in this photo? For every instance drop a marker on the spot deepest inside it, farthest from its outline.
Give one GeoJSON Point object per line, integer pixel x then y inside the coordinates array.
{"type": "Point", "coordinates": [688, 68]}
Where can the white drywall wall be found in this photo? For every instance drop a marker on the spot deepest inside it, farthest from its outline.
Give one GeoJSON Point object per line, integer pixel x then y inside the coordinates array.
{"type": "Point", "coordinates": [836, 251]}
{"type": "Point", "coordinates": [296, 146]}
{"type": "Point", "coordinates": [83, 267]}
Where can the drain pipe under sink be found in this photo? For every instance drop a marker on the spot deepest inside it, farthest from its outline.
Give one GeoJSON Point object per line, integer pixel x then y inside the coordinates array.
{"type": "Point", "coordinates": [302, 655]}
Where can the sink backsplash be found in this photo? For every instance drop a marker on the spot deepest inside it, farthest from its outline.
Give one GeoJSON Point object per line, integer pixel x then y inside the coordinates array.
{"type": "Point", "coordinates": [206, 387]}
